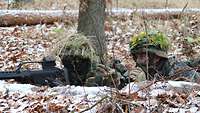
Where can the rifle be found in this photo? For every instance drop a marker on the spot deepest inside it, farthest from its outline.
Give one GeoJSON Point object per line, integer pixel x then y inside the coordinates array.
{"type": "Point", "coordinates": [49, 74]}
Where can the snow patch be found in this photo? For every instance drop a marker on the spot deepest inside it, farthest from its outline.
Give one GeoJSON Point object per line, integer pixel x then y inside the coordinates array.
{"type": "Point", "coordinates": [21, 88]}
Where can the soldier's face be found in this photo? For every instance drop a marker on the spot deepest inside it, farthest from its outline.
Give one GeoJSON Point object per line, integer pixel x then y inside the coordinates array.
{"type": "Point", "coordinates": [143, 59]}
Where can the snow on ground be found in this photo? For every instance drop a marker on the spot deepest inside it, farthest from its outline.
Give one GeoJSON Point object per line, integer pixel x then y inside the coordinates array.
{"type": "Point", "coordinates": [15, 87]}
{"type": "Point", "coordinates": [26, 98]}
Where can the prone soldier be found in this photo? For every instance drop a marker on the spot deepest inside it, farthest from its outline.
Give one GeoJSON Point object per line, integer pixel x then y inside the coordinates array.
{"type": "Point", "coordinates": [149, 50]}
{"type": "Point", "coordinates": [82, 63]}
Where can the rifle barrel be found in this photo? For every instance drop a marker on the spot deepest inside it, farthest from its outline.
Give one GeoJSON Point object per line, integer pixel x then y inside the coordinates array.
{"type": "Point", "coordinates": [30, 73]}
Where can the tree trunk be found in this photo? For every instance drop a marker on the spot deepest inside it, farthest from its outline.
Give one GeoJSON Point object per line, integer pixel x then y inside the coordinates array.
{"type": "Point", "coordinates": [91, 24]}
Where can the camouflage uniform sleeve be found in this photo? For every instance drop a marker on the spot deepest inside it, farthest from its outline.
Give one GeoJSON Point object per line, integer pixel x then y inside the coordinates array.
{"type": "Point", "coordinates": [122, 71]}
{"type": "Point", "coordinates": [193, 62]}
{"type": "Point", "coordinates": [103, 76]}
{"type": "Point", "coordinates": [114, 75]}
{"type": "Point", "coordinates": [181, 69]}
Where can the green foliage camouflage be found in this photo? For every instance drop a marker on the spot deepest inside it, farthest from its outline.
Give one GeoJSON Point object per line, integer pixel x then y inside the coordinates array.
{"type": "Point", "coordinates": [151, 40]}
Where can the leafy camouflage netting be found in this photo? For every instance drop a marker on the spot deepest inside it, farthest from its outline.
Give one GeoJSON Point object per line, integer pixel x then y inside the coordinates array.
{"type": "Point", "coordinates": [152, 41]}
{"type": "Point", "coordinates": [77, 55]}
{"type": "Point", "coordinates": [75, 45]}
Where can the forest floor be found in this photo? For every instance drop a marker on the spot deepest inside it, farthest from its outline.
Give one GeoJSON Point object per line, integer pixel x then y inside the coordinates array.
{"type": "Point", "coordinates": [31, 43]}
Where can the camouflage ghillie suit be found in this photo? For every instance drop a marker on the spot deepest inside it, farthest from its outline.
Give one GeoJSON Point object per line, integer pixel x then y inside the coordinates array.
{"type": "Point", "coordinates": [160, 66]}
{"type": "Point", "coordinates": [79, 58]}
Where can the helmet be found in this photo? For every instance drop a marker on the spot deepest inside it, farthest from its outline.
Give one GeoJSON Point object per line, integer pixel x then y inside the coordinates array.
{"type": "Point", "coordinates": [153, 41]}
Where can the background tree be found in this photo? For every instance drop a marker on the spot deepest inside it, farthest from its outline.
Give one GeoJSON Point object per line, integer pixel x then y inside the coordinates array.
{"type": "Point", "coordinates": [91, 24]}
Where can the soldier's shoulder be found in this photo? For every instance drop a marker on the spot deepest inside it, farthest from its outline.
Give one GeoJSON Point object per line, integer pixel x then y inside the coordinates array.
{"type": "Point", "coordinates": [182, 69]}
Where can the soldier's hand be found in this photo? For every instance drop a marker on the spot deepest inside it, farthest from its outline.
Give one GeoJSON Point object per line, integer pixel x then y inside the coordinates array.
{"type": "Point", "coordinates": [104, 76]}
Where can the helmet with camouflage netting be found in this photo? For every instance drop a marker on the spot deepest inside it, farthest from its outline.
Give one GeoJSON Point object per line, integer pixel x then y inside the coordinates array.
{"type": "Point", "coordinates": [152, 41]}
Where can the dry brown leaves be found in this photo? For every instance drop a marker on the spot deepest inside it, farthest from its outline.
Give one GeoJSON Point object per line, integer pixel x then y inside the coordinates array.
{"type": "Point", "coordinates": [159, 98]}
{"type": "Point", "coordinates": [30, 43]}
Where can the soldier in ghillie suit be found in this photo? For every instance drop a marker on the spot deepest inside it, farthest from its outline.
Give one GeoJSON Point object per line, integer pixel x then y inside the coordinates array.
{"type": "Point", "coordinates": [149, 50]}
{"type": "Point", "coordinates": [82, 63]}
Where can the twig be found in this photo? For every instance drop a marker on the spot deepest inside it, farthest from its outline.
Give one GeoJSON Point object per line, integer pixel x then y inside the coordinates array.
{"type": "Point", "coordinates": [192, 89]}
{"type": "Point", "coordinates": [166, 4]}
{"type": "Point", "coordinates": [94, 104]}
{"type": "Point", "coordinates": [119, 108]}
{"type": "Point", "coordinates": [129, 90]}
{"type": "Point", "coordinates": [8, 6]}
{"type": "Point", "coordinates": [153, 82]}
{"type": "Point", "coordinates": [181, 13]}
{"type": "Point", "coordinates": [146, 31]}
{"type": "Point", "coordinates": [150, 84]}
{"type": "Point", "coordinates": [147, 59]}
{"type": "Point", "coordinates": [117, 4]}
{"type": "Point", "coordinates": [6, 93]}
